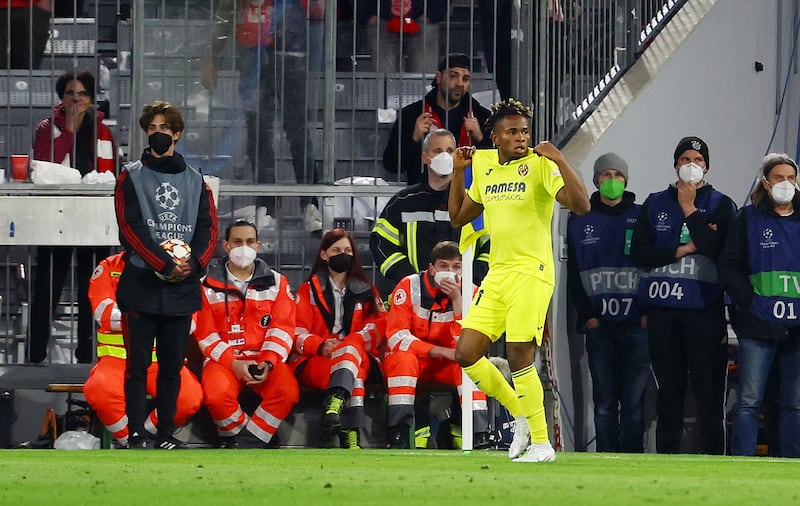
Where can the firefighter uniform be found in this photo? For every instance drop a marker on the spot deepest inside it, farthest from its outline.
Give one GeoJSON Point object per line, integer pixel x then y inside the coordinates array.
{"type": "Point", "coordinates": [413, 221]}
{"type": "Point", "coordinates": [360, 339]}
{"type": "Point", "coordinates": [420, 318]}
{"type": "Point", "coordinates": [257, 325]}
{"type": "Point", "coordinates": [105, 387]}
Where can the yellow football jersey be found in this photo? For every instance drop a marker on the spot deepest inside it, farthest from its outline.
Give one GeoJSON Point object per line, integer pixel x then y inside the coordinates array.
{"type": "Point", "coordinates": [518, 199]}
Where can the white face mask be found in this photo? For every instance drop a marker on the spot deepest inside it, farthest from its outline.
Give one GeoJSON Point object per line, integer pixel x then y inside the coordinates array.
{"type": "Point", "coordinates": [442, 164]}
{"type": "Point", "coordinates": [783, 192]}
{"type": "Point", "coordinates": [691, 173]}
{"type": "Point", "coordinates": [242, 256]}
{"type": "Point", "coordinates": [442, 275]}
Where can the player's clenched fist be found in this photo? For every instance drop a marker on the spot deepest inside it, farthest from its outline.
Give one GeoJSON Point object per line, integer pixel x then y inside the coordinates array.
{"type": "Point", "coordinates": [463, 157]}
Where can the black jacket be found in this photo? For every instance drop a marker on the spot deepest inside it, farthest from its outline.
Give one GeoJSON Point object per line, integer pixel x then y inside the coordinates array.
{"type": "Point", "coordinates": [708, 233]}
{"type": "Point", "coordinates": [417, 208]}
{"type": "Point", "coordinates": [410, 153]}
{"type": "Point", "coordinates": [734, 270]}
{"type": "Point", "coordinates": [139, 289]}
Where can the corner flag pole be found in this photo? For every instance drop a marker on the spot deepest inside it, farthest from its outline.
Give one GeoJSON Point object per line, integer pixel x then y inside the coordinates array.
{"type": "Point", "coordinates": [467, 386]}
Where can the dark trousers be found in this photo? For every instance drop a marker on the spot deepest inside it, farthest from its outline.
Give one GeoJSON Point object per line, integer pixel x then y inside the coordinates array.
{"type": "Point", "coordinates": [620, 366]}
{"type": "Point", "coordinates": [689, 345]}
{"type": "Point", "coordinates": [29, 31]}
{"type": "Point", "coordinates": [53, 263]}
{"type": "Point", "coordinates": [267, 77]}
{"type": "Point", "coordinates": [170, 334]}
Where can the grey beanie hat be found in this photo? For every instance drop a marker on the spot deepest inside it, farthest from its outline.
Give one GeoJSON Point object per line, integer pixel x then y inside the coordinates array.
{"type": "Point", "coordinates": [610, 161]}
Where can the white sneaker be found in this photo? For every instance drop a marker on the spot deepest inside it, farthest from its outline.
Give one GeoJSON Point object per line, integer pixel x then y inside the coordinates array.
{"type": "Point", "coordinates": [312, 218]}
{"type": "Point", "coordinates": [538, 452]}
{"type": "Point", "coordinates": [522, 437]}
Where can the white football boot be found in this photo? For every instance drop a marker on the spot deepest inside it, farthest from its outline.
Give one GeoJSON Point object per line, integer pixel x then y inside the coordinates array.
{"type": "Point", "coordinates": [522, 437]}
{"type": "Point", "coordinates": [538, 452]}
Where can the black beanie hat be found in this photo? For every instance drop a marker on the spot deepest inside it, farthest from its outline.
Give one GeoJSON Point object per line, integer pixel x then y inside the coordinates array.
{"type": "Point", "coordinates": [695, 143]}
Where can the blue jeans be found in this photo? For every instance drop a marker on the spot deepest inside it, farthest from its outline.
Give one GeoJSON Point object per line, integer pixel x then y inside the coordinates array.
{"type": "Point", "coordinates": [755, 359]}
{"type": "Point", "coordinates": [619, 362]}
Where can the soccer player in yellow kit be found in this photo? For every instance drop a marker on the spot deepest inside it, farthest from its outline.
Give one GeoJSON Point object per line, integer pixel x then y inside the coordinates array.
{"type": "Point", "coordinates": [516, 188]}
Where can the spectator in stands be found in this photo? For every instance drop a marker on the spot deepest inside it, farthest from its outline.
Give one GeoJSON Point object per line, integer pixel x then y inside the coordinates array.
{"type": "Point", "coordinates": [494, 17]}
{"type": "Point", "coordinates": [678, 237]}
{"type": "Point", "coordinates": [416, 218]}
{"type": "Point", "coordinates": [271, 60]}
{"type": "Point", "coordinates": [75, 136]}
{"type": "Point", "coordinates": [315, 10]}
{"type": "Point", "coordinates": [105, 387]}
{"type": "Point", "coordinates": [24, 30]}
{"type": "Point", "coordinates": [448, 105]}
{"type": "Point", "coordinates": [423, 326]}
{"type": "Point", "coordinates": [160, 197]}
{"type": "Point", "coordinates": [340, 331]}
{"type": "Point", "coordinates": [761, 248]}
{"type": "Point", "coordinates": [557, 94]}
{"type": "Point", "coordinates": [603, 284]}
{"type": "Point", "coordinates": [403, 29]}
{"type": "Point", "coordinates": [245, 330]}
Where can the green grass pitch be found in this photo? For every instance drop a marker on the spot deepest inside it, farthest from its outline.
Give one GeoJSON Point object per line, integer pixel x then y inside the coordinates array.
{"type": "Point", "coordinates": [386, 477]}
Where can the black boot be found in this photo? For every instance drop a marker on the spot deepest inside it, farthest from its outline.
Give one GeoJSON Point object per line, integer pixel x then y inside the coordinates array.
{"type": "Point", "coordinates": [349, 439]}
{"type": "Point", "coordinates": [399, 437]}
{"type": "Point", "coordinates": [335, 399]}
{"type": "Point", "coordinates": [481, 441]}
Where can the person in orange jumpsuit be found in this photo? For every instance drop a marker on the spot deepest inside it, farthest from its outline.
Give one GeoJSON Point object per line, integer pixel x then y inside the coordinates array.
{"type": "Point", "coordinates": [422, 328]}
{"type": "Point", "coordinates": [340, 329]}
{"type": "Point", "coordinates": [246, 331]}
{"type": "Point", "coordinates": [105, 387]}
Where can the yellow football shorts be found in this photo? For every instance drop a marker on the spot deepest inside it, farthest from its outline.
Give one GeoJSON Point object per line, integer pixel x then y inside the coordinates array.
{"type": "Point", "coordinates": [510, 302]}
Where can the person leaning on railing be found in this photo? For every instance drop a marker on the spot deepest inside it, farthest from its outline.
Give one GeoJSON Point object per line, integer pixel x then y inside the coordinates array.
{"type": "Point", "coordinates": [74, 135]}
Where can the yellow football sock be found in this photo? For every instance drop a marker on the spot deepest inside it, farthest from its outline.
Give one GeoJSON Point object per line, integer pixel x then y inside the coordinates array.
{"type": "Point", "coordinates": [488, 378]}
{"type": "Point", "coordinates": [531, 400]}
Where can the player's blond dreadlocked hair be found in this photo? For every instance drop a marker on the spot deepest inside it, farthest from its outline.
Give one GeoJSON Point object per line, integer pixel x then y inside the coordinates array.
{"type": "Point", "coordinates": [510, 107]}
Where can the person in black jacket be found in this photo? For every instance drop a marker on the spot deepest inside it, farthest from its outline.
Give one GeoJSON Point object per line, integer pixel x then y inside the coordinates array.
{"type": "Point", "coordinates": [415, 219]}
{"type": "Point", "coordinates": [157, 198]}
{"type": "Point", "coordinates": [678, 237]}
{"type": "Point", "coordinates": [448, 105]}
{"type": "Point", "coordinates": [760, 269]}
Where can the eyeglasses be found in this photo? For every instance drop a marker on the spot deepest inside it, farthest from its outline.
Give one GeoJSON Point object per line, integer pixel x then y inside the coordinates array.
{"type": "Point", "coordinates": [80, 94]}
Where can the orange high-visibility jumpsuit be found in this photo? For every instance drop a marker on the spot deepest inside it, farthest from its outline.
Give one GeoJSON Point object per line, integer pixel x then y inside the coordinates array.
{"type": "Point", "coordinates": [257, 326]}
{"type": "Point", "coordinates": [420, 318]}
{"type": "Point", "coordinates": [105, 387]}
{"type": "Point", "coordinates": [361, 337]}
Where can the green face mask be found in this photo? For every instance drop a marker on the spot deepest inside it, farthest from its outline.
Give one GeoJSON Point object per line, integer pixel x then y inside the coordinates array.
{"type": "Point", "coordinates": [612, 188]}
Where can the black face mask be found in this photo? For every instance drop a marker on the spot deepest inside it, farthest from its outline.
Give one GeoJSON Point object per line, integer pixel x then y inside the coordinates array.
{"type": "Point", "coordinates": [341, 262]}
{"type": "Point", "coordinates": [160, 142]}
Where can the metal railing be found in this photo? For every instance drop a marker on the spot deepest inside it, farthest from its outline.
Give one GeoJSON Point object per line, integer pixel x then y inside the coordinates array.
{"type": "Point", "coordinates": [563, 56]}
